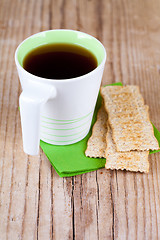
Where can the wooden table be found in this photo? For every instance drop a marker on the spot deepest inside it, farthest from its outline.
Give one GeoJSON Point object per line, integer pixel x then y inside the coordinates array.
{"type": "Point", "coordinates": [35, 203]}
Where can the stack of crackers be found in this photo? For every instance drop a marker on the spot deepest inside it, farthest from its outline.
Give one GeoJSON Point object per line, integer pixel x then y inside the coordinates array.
{"type": "Point", "coordinates": [123, 133]}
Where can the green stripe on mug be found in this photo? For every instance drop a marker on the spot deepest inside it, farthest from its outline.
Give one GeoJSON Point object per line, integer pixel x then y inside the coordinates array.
{"type": "Point", "coordinates": [66, 129]}
{"type": "Point", "coordinates": [73, 120]}
{"type": "Point", "coordinates": [65, 135]}
{"type": "Point", "coordinates": [56, 141]}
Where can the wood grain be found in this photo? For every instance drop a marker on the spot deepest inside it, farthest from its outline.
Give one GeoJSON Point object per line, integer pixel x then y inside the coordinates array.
{"type": "Point", "coordinates": [35, 203]}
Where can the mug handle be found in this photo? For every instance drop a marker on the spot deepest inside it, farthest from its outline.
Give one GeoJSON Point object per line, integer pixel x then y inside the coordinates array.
{"type": "Point", "coordinates": [31, 102]}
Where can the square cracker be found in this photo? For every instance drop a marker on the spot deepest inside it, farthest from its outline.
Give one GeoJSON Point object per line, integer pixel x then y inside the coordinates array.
{"type": "Point", "coordinates": [96, 145]}
{"type": "Point", "coordinates": [132, 161]}
{"type": "Point", "coordinates": [128, 118]}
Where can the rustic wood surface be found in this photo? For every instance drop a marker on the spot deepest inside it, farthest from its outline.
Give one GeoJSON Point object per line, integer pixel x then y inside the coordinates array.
{"type": "Point", "coordinates": [35, 203]}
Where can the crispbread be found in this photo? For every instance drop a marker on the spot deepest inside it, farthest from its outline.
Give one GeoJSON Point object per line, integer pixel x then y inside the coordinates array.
{"type": "Point", "coordinates": [128, 118]}
{"type": "Point", "coordinates": [132, 160]}
{"type": "Point", "coordinates": [97, 142]}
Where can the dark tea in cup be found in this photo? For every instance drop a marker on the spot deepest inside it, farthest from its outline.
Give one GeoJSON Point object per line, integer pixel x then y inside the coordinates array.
{"type": "Point", "coordinates": [59, 61]}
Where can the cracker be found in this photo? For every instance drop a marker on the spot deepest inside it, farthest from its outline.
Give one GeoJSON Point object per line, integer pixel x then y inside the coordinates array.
{"type": "Point", "coordinates": [131, 161]}
{"type": "Point", "coordinates": [128, 118]}
{"type": "Point", "coordinates": [97, 142]}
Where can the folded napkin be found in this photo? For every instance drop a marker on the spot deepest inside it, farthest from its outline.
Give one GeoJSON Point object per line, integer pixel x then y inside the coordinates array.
{"type": "Point", "coordinates": [70, 160]}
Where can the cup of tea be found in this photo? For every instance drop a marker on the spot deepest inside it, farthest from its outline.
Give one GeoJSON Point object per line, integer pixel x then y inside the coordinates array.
{"type": "Point", "coordinates": [60, 73]}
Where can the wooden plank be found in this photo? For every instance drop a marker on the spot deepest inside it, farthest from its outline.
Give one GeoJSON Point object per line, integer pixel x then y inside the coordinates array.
{"type": "Point", "coordinates": [44, 218]}
{"type": "Point", "coordinates": [7, 124]}
{"type": "Point", "coordinates": [86, 207]}
{"type": "Point", "coordinates": [62, 213]}
{"type": "Point", "coordinates": [105, 208]}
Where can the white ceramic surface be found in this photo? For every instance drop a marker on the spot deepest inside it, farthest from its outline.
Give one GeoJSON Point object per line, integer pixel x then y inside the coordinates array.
{"type": "Point", "coordinates": [57, 111]}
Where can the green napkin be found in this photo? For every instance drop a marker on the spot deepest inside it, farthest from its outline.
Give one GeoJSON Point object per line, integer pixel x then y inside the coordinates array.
{"type": "Point", "coordinates": [70, 160]}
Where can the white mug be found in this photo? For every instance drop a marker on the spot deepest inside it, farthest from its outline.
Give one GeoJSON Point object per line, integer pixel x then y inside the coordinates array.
{"type": "Point", "coordinates": [58, 112]}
